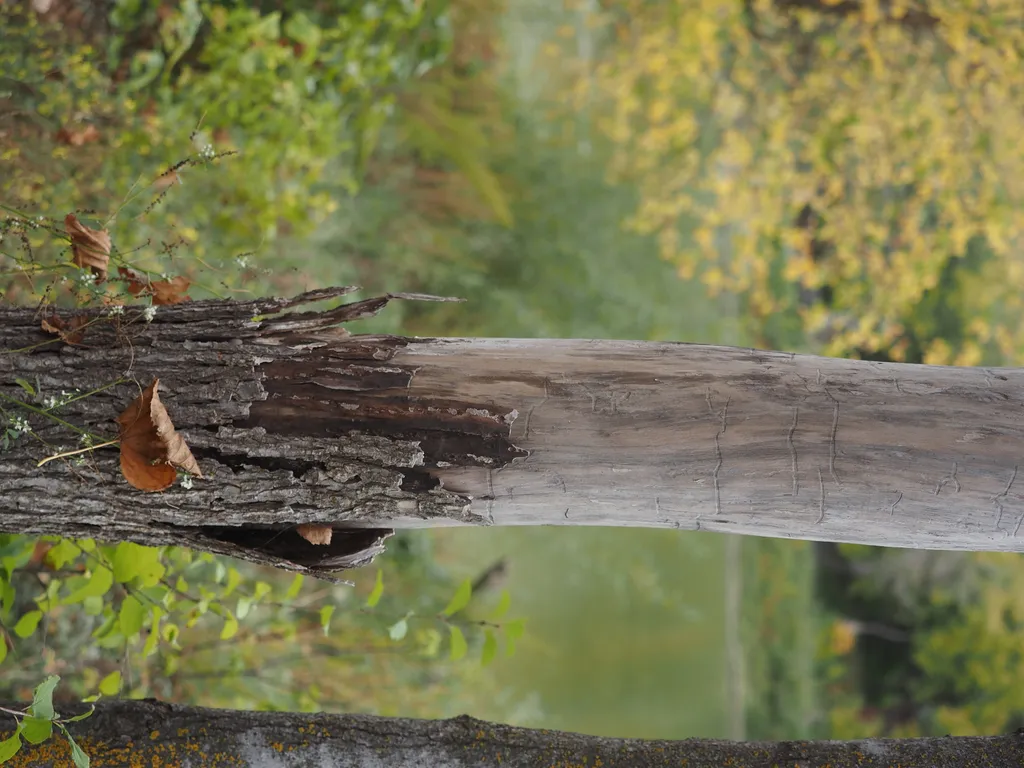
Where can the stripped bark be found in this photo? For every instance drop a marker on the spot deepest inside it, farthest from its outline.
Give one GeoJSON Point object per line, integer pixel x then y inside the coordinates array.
{"type": "Point", "coordinates": [151, 733]}
{"type": "Point", "coordinates": [293, 421]}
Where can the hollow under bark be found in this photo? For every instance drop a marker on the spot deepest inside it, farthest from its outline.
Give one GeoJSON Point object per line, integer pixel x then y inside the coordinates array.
{"type": "Point", "coordinates": [294, 421]}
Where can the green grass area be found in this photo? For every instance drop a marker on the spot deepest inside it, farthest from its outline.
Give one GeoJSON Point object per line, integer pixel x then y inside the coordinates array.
{"type": "Point", "coordinates": [780, 627]}
{"type": "Point", "coordinates": [625, 632]}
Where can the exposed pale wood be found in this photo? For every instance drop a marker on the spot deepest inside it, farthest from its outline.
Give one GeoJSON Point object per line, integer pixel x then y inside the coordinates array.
{"type": "Point", "coordinates": [123, 733]}
{"type": "Point", "coordinates": [742, 441]}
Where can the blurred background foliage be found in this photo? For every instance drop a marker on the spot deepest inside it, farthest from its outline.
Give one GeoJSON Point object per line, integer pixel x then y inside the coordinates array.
{"type": "Point", "coordinates": [813, 176]}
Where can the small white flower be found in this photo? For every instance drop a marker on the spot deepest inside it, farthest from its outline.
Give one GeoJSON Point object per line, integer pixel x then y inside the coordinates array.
{"type": "Point", "coordinates": [242, 261]}
{"type": "Point", "coordinates": [86, 440]}
{"type": "Point", "coordinates": [86, 278]}
{"type": "Point", "coordinates": [149, 313]}
{"type": "Point", "coordinates": [186, 482]}
{"type": "Point", "coordinates": [50, 402]}
{"type": "Point", "coordinates": [20, 425]}
{"type": "Point", "coordinates": [116, 310]}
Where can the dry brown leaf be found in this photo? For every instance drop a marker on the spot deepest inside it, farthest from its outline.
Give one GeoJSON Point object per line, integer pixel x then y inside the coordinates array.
{"type": "Point", "coordinates": [89, 247]}
{"type": "Point", "coordinates": [315, 533]}
{"type": "Point", "coordinates": [150, 448]}
{"type": "Point", "coordinates": [70, 331]}
{"type": "Point", "coordinates": [78, 136]}
{"type": "Point", "coordinates": [164, 180]}
{"type": "Point", "coordinates": [171, 291]}
{"type": "Point", "coordinates": [137, 282]}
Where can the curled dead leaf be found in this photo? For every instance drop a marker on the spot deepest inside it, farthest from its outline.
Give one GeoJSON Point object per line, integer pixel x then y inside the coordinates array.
{"type": "Point", "coordinates": [172, 291]}
{"type": "Point", "coordinates": [137, 282]}
{"type": "Point", "coordinates": [315, 533]}
{"type": "Point", "coordinates": [89, 247]}
{"type": "Point", "coordinates": [78, 135]}
{"type": "Point", "coordinates": [70, 331]}
{"type": "Point", "coordinates": [150, 448]}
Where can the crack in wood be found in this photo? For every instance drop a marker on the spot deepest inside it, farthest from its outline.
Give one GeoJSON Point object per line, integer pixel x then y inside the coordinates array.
{"type": "Point", "coordinates": [998, 499]}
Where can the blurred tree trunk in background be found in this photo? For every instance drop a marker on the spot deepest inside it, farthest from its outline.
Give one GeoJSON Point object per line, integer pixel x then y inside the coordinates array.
{"type": "Point", "coordinates": [123, 732]}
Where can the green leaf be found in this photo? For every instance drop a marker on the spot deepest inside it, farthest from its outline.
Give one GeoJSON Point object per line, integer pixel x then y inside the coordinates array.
{"type": "Point", "coordinates": [6, 597]}
{"type": "Point", "coordinates": [460, 599]}
{"type": "Point", "coordinates": [377, 591]}
{"type": "Point", "coordinates": [510, 647]}
{"type": "Point", "coordinates": [62, 553]}
{"type": "Point", "coordinates": [28, 388]}
{"type": "Point", "coordinates": [81, 759]}
{"type": "Point", "coordinates": [230, 627]}
{"type": "Point", "coordinates": [36, 730]}
{"type": "Point", "coordinates": [504, 603]}
{"type": "Point", "coordinates": [262, 590]}
{"type": "Point", "coordinates": [111, 684]}
{"type": "Point", "coordinates": [234, 579]}
{"type": "Point", "coordinates": [93, 606]}
{"type": "Point", "coordinates": [431, 640]}
{"type": "Point", "coordinates": [398, 630]}
{"type": "Point", "coordinates": [515, 628]}
{"type": "Point", "coordinates": [325, 618]}
{"type": "Point", "coordinates": [490, 649]}
{"type": "Point", "coordinates": [27, 624]}
{"type": "Point", "coordinates": [293, 590]}
{"type": "Point", "coordinates": [457, 643]}
{"type": "Point", "coordinates": [133, 560]}
{"type": "Point", "coordinates": [82, 716]}
{"type": "Point", "coordinates": [154, 633]}
{"type": "Point", "coordinates": [94, 585]}
{"type": "Point", "coordinates": [42, 699]}
{"type": "Point", "coordinates": [3, 649]}
{"type": "Point", "coordinates": [243, 607]}
{"type": "Point", "coordinates": [9, 747]}
{"type": "Point", "coordinates": [131, 616]}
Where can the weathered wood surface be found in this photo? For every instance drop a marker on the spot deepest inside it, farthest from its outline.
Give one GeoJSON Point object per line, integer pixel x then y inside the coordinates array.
{"type": "Point", "coordinates": [123, 733]}
{"type": "Point", "coordinates": [293, 421]}
{"type": "Point", "coordinates": [742, 441]}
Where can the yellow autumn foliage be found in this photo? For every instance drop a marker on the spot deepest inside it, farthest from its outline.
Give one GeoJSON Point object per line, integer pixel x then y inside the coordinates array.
{"type": "Point", "coordinates": [759, 132]}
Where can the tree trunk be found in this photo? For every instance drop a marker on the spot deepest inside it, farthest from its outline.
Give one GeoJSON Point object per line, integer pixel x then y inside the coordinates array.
{"type": "Point", "coordinates": [152, 733]}
{"type": "Point", "coordinates": [294, 421]}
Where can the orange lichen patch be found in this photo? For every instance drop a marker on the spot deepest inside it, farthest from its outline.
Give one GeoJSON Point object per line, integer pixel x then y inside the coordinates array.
{"type": "Point", "coordinates": [154, 735]}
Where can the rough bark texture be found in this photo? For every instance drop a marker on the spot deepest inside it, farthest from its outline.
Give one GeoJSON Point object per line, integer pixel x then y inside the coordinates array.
{"type": "Point", "coordinates": [130, 733]}
{"type": "Point", "coordinates": [295, 422]}
{"type": "Point", "coordinates": [300, 457]}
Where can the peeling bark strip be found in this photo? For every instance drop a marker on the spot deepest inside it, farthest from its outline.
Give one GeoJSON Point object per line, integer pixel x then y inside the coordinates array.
{"type": "Point", "coordinates": [294, 421]}
{"type": "Point", "coordinates": [150, 733]}
{"type": "Point", "coordinates": [291, 421]}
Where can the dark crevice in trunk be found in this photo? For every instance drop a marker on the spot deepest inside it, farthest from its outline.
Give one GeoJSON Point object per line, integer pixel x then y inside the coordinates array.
{"type": "Point", "coordinates": [239, 461]}
{"type": "Point", "coordinates": [348, 548]}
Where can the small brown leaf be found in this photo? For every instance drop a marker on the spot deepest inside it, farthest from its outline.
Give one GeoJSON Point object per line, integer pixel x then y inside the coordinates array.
{"type": "Point", "coordinates": [77, 136]}
{"type": "Point", "coordinates": [137, 282]}
{"type": "Point", "coordinates": [150, 448]}
{"type": "Point", "coordinates": [164, 180]}
{"type": "Point", "coordinates": [89, 247]}
{"type": "Point", "coordinates": [315, 533]}
{"type": "Point", "coordinates": [70, 331]}
{"type": "Point", "coordinates": [171, 291]}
